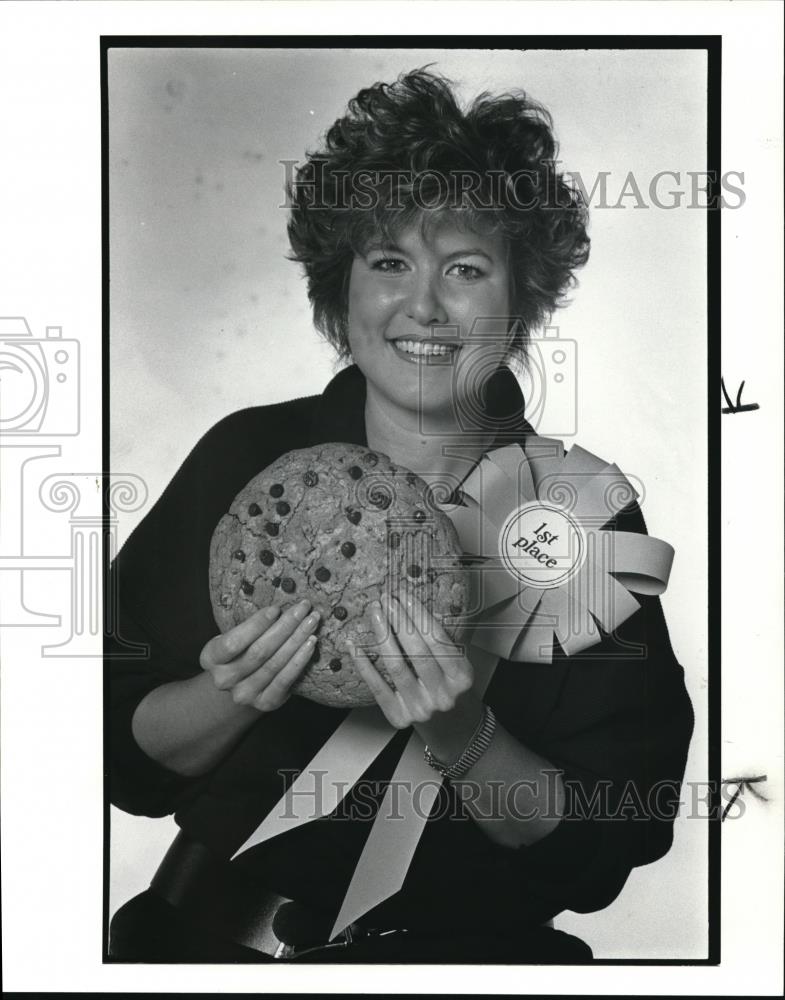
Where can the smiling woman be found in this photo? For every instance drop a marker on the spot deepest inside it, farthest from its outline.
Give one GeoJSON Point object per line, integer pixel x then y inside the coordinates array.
{"type": "Point", "coordinates": [429, 277]}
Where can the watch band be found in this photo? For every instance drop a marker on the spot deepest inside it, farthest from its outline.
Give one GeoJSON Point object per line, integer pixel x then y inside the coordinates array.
{"type": "Point", "coordinates": [475, 748]}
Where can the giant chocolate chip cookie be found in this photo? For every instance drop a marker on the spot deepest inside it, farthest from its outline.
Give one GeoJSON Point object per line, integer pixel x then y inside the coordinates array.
{"type": "Point", "coordinates": [334, 523]}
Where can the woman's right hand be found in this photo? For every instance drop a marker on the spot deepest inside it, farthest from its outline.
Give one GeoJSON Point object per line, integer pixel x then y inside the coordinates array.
{"type": "Point", "coordinates": [260, 659]}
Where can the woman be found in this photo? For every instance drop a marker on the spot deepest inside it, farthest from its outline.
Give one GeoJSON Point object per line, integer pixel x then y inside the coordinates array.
{"type": "Point", "coordinates": [417, 224]}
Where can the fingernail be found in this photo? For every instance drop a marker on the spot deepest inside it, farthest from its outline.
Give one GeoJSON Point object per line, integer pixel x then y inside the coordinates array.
{"type": "Point", "coordinates": [375, 611]}
{"type": "Point", "coordinates": [312, 618]}
{"type": "Point", "coordinates": [301, 609]}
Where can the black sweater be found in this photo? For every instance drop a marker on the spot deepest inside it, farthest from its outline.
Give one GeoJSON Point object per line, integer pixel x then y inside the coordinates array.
{"type": "Point", "coordinates": [617, 719]}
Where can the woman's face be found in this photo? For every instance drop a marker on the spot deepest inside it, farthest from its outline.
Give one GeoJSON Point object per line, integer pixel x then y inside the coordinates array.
{"type": "Point", "coordinates": [413, 311]}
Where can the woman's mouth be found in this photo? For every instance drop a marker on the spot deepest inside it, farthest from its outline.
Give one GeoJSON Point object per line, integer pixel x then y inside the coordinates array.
{"type": "Point", "coordinates": [420, 351]}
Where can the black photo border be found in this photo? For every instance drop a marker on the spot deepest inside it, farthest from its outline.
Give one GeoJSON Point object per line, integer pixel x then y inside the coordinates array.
{"type": "Point", "coordinates": [712, 44]}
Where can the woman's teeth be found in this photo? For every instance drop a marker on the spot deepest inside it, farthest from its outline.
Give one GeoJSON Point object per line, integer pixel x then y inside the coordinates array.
{"type": "Point", "coordinates": [421, 347]}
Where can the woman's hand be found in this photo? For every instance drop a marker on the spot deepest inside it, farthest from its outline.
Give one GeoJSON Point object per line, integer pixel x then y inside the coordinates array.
{"type": "Point", "coordinates": [190, 725]}
{"type": "Point", "coordinates": [258, 661]}
{"type": "Point", "coordinates": [433, 679]}
{"type": "Point", "coordinates": [435, 696]}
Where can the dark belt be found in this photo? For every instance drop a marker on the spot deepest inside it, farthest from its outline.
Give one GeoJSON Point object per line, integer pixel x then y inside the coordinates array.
{"type": "Point", "coordinates": [208, 888]}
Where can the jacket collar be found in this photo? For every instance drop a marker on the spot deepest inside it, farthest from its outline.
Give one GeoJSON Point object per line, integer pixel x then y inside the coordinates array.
{"type": "Point", "coordinates": [340, 410]}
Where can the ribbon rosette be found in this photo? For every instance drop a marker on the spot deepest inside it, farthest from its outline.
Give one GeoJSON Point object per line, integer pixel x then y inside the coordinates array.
{"type": "Point", "coordinates": [546, 564]}
{"type": "Point", "coordinates": [543, 564]}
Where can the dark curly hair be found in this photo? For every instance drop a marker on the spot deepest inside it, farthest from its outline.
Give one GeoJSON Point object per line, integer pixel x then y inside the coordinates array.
{"type": "Point", "coordinates": [406, 150]}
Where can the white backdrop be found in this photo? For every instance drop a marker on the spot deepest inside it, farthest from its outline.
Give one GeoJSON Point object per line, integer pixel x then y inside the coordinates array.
{"type": "Point", "coordinates": [208, 317]}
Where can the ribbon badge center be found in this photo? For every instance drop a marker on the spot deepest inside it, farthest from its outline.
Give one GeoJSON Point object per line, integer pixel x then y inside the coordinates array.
{"type": "Point", "coordinates": [541, 545]}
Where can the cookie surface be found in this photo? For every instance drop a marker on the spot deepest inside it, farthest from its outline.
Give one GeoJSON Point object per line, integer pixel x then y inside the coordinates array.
{"type": "Point", "coordinates": [335, 524]}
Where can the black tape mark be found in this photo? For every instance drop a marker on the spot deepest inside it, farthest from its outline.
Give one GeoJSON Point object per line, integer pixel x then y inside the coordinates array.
{"type": "Point", "coordinates": [741, 785]}
{"type": "Point", "coordinates": [738, 406]}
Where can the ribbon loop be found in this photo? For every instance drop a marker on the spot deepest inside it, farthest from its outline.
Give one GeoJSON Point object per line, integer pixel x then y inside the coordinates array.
{"type": "Point", "coordinates": [641, 563]}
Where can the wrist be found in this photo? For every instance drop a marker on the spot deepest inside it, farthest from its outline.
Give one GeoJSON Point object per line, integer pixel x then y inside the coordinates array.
{"type": "Point", "coordinates": [448, 733]}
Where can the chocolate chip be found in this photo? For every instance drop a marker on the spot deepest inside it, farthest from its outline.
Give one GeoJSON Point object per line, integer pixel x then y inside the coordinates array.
{"type": "Point", "coordinates": [271, 528]}
{"type": "Point", "coordinates": [432, 575]}
{"type": "Point", "coordinates": [246, 587]}
{"type": "Point", "coordinates": [335, 665]}
{"type": "Point", "coordinates": [414, 570]}
{"type": "Point", "coordinates": [455, 609]}
{"type": "Point", "coordinates": [266, 557]}
{"type": "Point", "coordinates": [282, 507]}
{"type": "Point", "coordinates": [356, 472]}
{"type": "Point", "coordinates": [411, 479]}
{"type": "Point", "coordinates": [276, 490]}
{"type": "Point", "coordinates": [419, 515]}
{"type": "Point", "coordinates": [254, 510]}
{"type": "Point", "coordinates": [239, 555]}
{"type": "Point", "coordinates": [288, 586]}
{"type": "Point", "coordinates": [394, 540]}
{"type": "Point", "coordinates": [371, 458]}
{"type": "Point", "coordinates": [322, 574]}
{"type": "Point", "coordinates": [340, 612]}
{"type": "Point", "coordinates": [354, 515]}
{"type": "Point", "coordinates": [348, 549]}
{"type": "Point", "coordinates": [380, 499]}
{"type": "Point", "coordinates": [373, 657]}
{"type": "Point", "coordinates": [310, 478]}
{"type": "Point", "coordinates": [276, 581]}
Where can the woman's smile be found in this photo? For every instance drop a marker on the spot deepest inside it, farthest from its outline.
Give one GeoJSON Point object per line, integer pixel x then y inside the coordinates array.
{"type": "Point", "coordinates": [420, 352]}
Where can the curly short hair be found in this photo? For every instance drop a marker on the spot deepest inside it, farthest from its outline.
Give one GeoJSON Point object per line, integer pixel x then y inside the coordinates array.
{"type": "Point", "coordinates": [406, 150]}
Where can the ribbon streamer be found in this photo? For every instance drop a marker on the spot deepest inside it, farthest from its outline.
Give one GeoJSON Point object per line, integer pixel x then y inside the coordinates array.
{"type": "Point", "coordinates": [347, 754]}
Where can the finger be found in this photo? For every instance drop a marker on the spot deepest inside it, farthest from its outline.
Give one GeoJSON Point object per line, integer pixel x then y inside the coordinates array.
{"type": "Point", "coordinates": [226, 675]}
{"type": "Point", "coordinates": [426, 667]}
{"type": "Point", "coordinates": [426, 623]}
{"type": "Point", "coordinates": [227, 647]}
{"type": "Point", "coordinates": [387, 699]}
{"type": "Point", "coordinates": [251, 686]}
{"type": "Point", "coordinates": [447, 654]}
{"type": "Point", "coordinates": [271, 641]}
{"type": "Point", "coordinates": [280, 687]}
{"type": "Point", "coordinates": [397, 669]}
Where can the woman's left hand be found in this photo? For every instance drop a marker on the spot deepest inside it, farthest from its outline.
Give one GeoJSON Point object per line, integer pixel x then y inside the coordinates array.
{"type": "Point", "coordinates": [435, 684]}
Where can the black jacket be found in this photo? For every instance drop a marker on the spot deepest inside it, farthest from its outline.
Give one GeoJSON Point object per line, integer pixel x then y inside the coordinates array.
{"type": "Point", "coordinates": [616, 719]}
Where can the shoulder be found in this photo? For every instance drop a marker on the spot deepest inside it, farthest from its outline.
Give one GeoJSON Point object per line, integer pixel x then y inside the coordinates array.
{"type": "Point", "coordinates": [242, 443]}
{"type": "Point", "coordinates": [291, 420]}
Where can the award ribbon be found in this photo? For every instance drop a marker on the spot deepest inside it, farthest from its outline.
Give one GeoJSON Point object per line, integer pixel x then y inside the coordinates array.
{"type": "Point", "coordinates": [543, 565]}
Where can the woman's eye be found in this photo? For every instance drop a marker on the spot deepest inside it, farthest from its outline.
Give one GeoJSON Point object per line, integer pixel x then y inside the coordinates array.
{"type": "Point", "coordinates": [387, 265]}
{"type": "Point", "coordinates": [469, 272]}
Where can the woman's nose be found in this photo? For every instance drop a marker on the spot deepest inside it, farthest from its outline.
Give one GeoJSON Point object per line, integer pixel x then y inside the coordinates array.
{"type": "Point", "coordinates": [425, 306]}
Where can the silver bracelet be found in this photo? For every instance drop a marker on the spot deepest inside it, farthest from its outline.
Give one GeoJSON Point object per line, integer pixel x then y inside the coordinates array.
{"type": "Point", "coordinates": [475, 748]}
